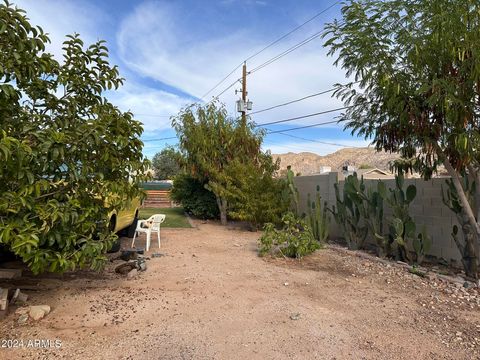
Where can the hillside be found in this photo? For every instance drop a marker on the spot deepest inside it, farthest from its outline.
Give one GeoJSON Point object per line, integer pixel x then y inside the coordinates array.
{"type": "Point", "coordinates": [308, 163]}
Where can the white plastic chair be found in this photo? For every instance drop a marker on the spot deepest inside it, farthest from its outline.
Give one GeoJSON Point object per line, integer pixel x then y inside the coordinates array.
{"type": "Point", "coordinates": [152, 224]}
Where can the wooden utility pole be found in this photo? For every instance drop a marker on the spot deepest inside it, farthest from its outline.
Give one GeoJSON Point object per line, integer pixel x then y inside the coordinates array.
{"type": "Point", "coordinates": [244, 93]}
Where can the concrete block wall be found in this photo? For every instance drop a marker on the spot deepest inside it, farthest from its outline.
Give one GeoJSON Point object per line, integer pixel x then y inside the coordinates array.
{"type": "Point", "coordinates": [427, 209]}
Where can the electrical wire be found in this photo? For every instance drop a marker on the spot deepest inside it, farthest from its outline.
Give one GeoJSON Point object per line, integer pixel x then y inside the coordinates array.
{"type": "Point", "coordinates": [319, 141]}
{"type": "Point", "coordinates": [293, 30]}
{"type": "Point", "coordinates": [221, 81]}
{"type": "Point", "coordinates": [270, 45]}
{"type": "Point", "coordinates": [301, 117]}
{"type": "Point", "coordinates": [298, 100]}
{"type": "Point", "coordinates": [303, 127]}
{"type": "Point", "coordinates": [160, 139]}
{"type": "Point", "coordinates": [286, 52]}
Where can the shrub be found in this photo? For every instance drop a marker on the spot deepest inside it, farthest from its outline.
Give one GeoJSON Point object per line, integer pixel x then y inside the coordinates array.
{"type": "Point", "coordinates": [259, 197]}
{"type": "Point", "coordinates": [295, 238]}
{"type": "Point", "coordinates": [194, 198]}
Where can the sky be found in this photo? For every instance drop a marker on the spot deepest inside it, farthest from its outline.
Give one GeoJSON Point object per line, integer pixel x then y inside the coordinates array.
{"type": "Point", "coordinates": [171, 53]}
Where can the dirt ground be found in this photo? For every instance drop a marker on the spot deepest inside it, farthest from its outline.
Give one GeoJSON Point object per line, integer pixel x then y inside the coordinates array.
{"type": "Point", "coordinates": [211, 297]}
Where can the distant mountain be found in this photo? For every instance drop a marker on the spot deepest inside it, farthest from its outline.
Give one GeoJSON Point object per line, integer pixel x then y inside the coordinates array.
{"type": "Point", "coordinates": [307, 163]}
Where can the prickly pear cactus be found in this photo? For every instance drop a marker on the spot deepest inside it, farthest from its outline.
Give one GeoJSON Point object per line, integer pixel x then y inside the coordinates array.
{"type": "Point", "coordinates": [347, 212]}
{"type": "Point", "coordinates": [317, 217]}
{"type": "Point", "coordinates": [402, 227]}
{"type": "Point", "coordinates": [421, 244]}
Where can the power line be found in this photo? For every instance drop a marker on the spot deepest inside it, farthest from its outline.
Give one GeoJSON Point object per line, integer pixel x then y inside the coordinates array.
{"type": "Point", "coordinates": [318, 141]}
{"type": "Point", "coordinates": [301, 117]}
{"type": "Point", "coordinates": [303, 127]}
{"type": "Point", "coordinates": [270, 45]}
{"type": "Point", "coordinates": [224, 90]}
{"type": "Point", "coordinates": [293, 101]}
{"type": "Point", "coordinates": [286, 52]}
{"type": "Point", "coordinates": [300, 99]}
{"type": "Point", "coordinates": [292, 31]}
{"type": "Point", "coordinates": [221, 81]}
{"type": "Point", "coordinates": [160, 139]}
{"type": "Point", "coordinates": [154, 115]}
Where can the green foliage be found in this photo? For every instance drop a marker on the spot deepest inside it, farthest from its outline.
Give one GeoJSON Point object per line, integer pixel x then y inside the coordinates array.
{"type": "Point", "coordinates": [421, 244]}
{"type": "Point", "coordinates": [66, 153]}
{"type": "Point", "coordinates": [418, 70]}
{"type": "Point", "coordinates": [365, 166]}
{"type": "Point", "coordinates": [372, 213]}
{"type": "Point", "coordinates": [466, 243]}
{"type": "Point", "coordinates": [294, 196]}
{"type": "Point", "coordinates": [294, 239]}
{"type": "Point", "coordinates": [256, 196]}
{"type": "Point", "coordinates": [194, 197]}
{"type": "Point", "coordinates": [348, 212]}
{"type": "Point", "coordinates": [217, 149]}
{"type": "Point", "coordinates": [318, 218]}
{"type": "Point", "coordinates": [416, 64]}
{"type": "Point", "coordinates": [166, 163]}
{"type": "Point", "coordinates": [402, 227]}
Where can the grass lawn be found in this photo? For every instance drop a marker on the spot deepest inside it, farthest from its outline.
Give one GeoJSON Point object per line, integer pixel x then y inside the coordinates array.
{"type": "Point", "coordinates": [175, 216]}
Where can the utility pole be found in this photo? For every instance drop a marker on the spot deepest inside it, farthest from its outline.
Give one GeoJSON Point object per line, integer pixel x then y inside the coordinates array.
{"type": "Point", "coordinates": [244, 93]}
{"type": "Point", "coordinates": [243, 105]}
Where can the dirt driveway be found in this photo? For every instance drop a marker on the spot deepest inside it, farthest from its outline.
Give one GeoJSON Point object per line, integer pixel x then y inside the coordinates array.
{"type": "Point", "coordinates": [211, 297]}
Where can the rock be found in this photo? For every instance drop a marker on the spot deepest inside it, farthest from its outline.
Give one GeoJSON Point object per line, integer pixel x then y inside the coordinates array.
{"type": "Point", "coordinates": [19, 297]}
{"type": "Point", "coordinates": [22, 310]}
{"type": "Point", "coordinates": [126, 268]}
{"type": "Point", "coordinates": [141, 263]}
{"type": "Point", "coordinates": [132, 274]}
{"type": "Point", "coordinates": [295, 316]}
{"type": "Point", "coordinates": [22, 319]}
{"type": "Point", "coordinates": [38, 312]}
{"type": "Point", "coordinates": [286, 284]}
{"type": "Point", "coordinates": [130, 254]}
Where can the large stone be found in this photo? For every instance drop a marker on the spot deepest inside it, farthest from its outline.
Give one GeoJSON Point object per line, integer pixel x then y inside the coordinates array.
{"type": "Point", "coordinates": [132, 274]}
{"type": "Point", "coordinates": [38, 312]}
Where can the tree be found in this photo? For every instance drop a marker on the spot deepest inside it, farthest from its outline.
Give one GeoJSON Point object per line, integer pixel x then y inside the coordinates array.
{"type": "Point", "coordinates": [257, 196]}
{"type": "Point", "coordinates": [214, 147]}
{"type": "Point", "coordinates": [67, 155]}
{"type": "Point", "coordinates": [417, 66]}
{"type": "Point", "coordinates": [166, 163]}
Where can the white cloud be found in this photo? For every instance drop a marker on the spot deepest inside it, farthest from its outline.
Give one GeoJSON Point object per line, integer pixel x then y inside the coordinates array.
{"type": "Point", "coordinates": [59, 18]}
{"type": "Point", "coordinates": [155, 41]}
{"type": "Point", "coordinates": [152, 107]}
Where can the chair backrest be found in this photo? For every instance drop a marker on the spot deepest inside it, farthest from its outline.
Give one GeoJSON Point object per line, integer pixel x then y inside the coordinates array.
{"type": "Point", "coordinates": [157, 219]}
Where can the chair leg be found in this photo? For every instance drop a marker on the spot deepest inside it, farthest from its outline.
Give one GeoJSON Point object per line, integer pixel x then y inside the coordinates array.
{"type": "Point", "coordinates": [133, 241]}
{"type": "Point", "coordinates": [148, 240]}
{"type": "Point", "coordinates": [158, 236]}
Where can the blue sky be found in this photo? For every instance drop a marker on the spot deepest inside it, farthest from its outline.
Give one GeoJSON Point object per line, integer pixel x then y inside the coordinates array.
{"type": "Point", "coordinates": [173, 52]}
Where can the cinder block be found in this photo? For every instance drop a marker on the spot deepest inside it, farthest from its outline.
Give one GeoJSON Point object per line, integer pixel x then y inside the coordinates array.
{"type": "Point", "coordinates": [432, 192]}
{"type": "Point", "coordinates": [433, 211]}
{"type": "Point", "coordinates": [450, 254]}
{"type": "Point", "coordinates": [416, 210]}
{"type": "Point", "coordinates": [435, 251]}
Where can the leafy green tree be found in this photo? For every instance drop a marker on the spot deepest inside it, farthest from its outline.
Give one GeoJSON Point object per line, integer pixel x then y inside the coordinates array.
{"type": "Point", "coordinates": [257, 196]}
{"type": "Point", "coordinates": [166, 163]}
{"type": "Point", "coordinates": [67, 155]}
{"type": "Point", "coordinates": [418, 70]}
{"type": "Point", "coordinates": [214, 147]}
{"type": "Point", "coordinates": [193, 197]}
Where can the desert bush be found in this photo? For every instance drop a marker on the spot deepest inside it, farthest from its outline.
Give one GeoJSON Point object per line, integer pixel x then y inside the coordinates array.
{"type": "Point", "coordinates": [294, 239]}
{"type": "Point", "coordinates": [194, 197]}
{"type": "Point", "coordinates": [256, 196]}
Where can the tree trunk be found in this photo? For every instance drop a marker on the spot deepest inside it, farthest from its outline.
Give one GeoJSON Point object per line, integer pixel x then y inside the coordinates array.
{"type": "Point", "coordinates": [470, 226]}
{"type": "Point", "coordinates": [222, 207]}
